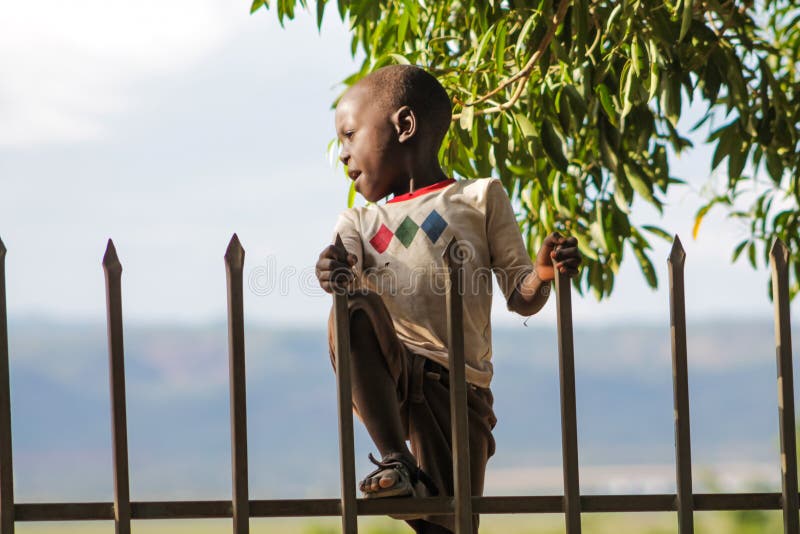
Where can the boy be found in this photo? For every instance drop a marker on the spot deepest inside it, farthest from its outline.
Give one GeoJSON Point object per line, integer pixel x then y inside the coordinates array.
{"type": "Point", "coordinates": [390, 125]}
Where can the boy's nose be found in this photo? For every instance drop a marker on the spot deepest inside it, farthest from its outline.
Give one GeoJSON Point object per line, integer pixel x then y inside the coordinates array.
{"type": "Point", "coordinates": [344, 157]}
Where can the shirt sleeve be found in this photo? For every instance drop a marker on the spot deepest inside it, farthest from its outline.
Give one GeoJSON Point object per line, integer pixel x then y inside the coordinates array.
{"type": "Point", "coordinates": [347, 228]}
{"type": "Point", "coordinates": [509, 257]}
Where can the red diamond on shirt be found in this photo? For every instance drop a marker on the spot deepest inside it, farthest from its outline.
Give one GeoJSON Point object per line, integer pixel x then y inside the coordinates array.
{"type": "Point", "coordinates": [381, 239]}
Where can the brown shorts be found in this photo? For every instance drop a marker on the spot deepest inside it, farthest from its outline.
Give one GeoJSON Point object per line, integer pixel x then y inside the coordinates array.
{"type": "Point", "coordinates": [423, 398]}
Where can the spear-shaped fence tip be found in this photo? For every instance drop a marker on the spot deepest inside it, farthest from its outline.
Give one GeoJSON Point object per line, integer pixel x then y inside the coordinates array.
{"type": "Point", "coordinates": [779, 252]}
{"type": "Point", "coordinates": [677, 255]}
{"type": "Point", "coordinates": [110, 259]}
{"type": "Point", "coordinates": [234, 255]}
{"type": "Point", "coordinates": [2, 248]}
{"type": "Point", "coordinates": [452, 253]}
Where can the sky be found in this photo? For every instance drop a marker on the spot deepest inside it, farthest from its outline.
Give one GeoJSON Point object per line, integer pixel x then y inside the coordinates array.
{"type": "Point", "coordinates": [168, 126]}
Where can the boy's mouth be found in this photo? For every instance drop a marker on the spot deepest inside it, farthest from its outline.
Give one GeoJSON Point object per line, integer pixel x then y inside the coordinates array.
{"type": "Point", "coordinates": [354, 174]}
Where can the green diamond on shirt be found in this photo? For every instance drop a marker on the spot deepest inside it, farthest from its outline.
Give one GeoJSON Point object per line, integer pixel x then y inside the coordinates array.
{"type": "Point", "coordinates": [406, 231]}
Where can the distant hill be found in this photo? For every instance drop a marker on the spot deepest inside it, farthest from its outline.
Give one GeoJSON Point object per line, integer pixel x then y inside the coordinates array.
{"type": "Point", "coordinates": [177, 390]}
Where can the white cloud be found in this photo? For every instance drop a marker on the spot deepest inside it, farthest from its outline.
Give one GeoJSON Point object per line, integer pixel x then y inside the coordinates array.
{"type": "Point", "coordinates": [65, 67]}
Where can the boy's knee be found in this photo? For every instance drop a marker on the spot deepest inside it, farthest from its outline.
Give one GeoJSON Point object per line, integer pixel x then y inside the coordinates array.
{"type": "Point", "coordinates": [360, 324]}
{"type": "Point", "coordinates": [366, 299]}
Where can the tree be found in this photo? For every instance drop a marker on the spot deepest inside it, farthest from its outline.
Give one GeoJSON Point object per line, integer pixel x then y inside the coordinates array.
{"type": "Point", "coordinates": [575, 103]}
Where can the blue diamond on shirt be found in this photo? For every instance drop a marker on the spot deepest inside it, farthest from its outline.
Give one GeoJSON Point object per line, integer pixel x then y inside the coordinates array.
{"type": "Point", "coordinates": [433, 226]}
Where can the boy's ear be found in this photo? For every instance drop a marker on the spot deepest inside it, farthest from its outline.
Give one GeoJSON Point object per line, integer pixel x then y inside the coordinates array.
{"type": "Point", "coordinates": [405, 123]}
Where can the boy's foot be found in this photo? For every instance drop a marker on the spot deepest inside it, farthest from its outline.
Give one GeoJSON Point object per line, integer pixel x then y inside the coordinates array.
{"type": "Point", "coordinates": [396, 476]}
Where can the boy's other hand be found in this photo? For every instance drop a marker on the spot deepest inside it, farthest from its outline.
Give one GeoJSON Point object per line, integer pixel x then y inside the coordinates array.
{"type": "Point", "coordinates": [335, 268]}
{"type": "Point", "coordinates": [557, 252]}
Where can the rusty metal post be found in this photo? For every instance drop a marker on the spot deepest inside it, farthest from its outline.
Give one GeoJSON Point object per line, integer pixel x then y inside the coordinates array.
{"type": "Point", "coordinates": [234, 265]}
{"type": "Point", "coordinates": [779, 265]}
{"type": "Point", "coordinates": [569, 422]}
{"type": "Point", "coordinates": [453, 257]}
{"type": "Point", "coordinates": [6, 463]}
{"type": "Point", "coordinates": [680, 388]}
{"type": "Point", "coordinates": [341, 320]}
{"type": "Point", "coordinates": [116, 364]}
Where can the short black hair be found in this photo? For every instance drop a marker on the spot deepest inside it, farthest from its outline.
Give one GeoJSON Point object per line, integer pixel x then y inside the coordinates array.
{"type": "Point", "coordinates": [395, 86]}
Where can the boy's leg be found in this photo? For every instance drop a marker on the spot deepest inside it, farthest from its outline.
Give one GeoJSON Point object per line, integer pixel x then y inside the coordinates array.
{"type": "Point", "coordinates": [378, 377]}
{"type": "Point", "coordinates": [431, 438]}
{"type": "Point", "coordinates": [375, 389]}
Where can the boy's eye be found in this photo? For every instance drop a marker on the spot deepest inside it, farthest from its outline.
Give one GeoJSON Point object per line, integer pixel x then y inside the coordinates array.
{"type": "Point", "coordinates": [348, 134]}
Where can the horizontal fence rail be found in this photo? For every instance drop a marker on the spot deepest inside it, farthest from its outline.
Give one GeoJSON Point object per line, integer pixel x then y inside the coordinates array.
{"type": "Point", "coordinates": [240, 508]}
{"type": "Point", "coordinates": [536, 504]}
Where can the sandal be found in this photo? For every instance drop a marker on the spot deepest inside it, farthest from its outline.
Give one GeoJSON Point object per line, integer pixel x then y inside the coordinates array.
{"type": "Point", "coordinates": [411, 481]}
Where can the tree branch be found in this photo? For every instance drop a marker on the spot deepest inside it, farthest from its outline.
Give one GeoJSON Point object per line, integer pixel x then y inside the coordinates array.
{"type": "Point", "coordinates": [525, 73]}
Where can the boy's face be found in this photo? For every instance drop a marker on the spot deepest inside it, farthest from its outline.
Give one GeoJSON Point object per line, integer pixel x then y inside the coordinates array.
{"type": "Point", "coordinates": [370, 145]}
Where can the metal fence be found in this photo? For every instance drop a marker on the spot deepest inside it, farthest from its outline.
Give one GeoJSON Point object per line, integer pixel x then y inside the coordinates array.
{"type": "Point", "coordinates": [572, 504]}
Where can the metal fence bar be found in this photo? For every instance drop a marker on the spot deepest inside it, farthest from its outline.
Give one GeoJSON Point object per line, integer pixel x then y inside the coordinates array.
{"type": "Point", "coordinates": [341, 318]}
{"type": "Point", "coordinates": [458, 389]}
{"type": "Point", "coordinates": [6, 463]}
{"type": "Point", "coordinates": [779, 265]}
{"type": "Point", "coordinates": [569, 424]}
{"type": "Point", "coordinates": [680, 387]}
{"type": "Point", "coordinates": [116, 366]}
{"type": "Point", "coordinates": [572, 504]}
{"type": "Point", "coordinates": [234, 264]}
{"type": "Point", "coordinates": [539, 504]}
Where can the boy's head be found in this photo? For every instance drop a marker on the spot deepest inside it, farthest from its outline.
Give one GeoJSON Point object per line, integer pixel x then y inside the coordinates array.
{"type": "Point", "coordinates": [390, 125]}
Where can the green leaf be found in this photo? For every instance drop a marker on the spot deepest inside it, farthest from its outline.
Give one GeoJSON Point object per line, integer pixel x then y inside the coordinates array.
{"type": "Point", "coordinates": [751, 253]}
{"type": "Point", "coordinates": [556, 192]}
{"type": "Point", "coordinates": [607, 153]}
{"type": "Point", "coordinates": [660, 232]}
{"type": "Point", "coordinates": [320, 12]}
{"type": "Point", "coordinates": [646, 266]}
{"type": "Point", "coordinates": [686, 21]}
{"type": "Point", "coordinates": [400, 59]}
{"type": "Point", "coordinates": [625, 96]}
{"type": "Point", "coordinates": [256, 5]}
{"type": "Point", "coordinates": [585, 247]}
{"type": "Point", "coordinates": [525, 125]}
{"type": "Point", "coordinates": [637, 180]}
{"type": "Point", "coordinates": [607, 102]}
{"type": "Point", "coordinates": [576, 102]}
{"type": "Point", "coordinates": [402, 27]}
{"type": "Point", "coordinates": [500, 48]}
{"type": "Point", "coordinates": [620, 200]}
{"type": "Point", "coordinates": [553, 146]}
{"type": "Point", "coordinates": [671, 97]}
{"type": "Point", "coordinates": [736, 161]}
{"type": "Point", "coordinates": [636, 57]}
{"type": "Point", "coordinates": [698, 218]}
{"type": "Point", "coordinates": [738, 250]}
{"type": "Point", "coordinates": [652, 49]}
{"type": "Point", "coordinates": [596, 280]}
{"type": "Point", "coordinates": [774, 167]}
{"type": "Point", "coordinates": [612, 17]}
{"type": "Point", "coordinates": [524, 32]}
{"type": "Point", "coordinates": [467, 116]}
{"type": "Point", "coordinates": [726, 143]}
{"type": "Point", "coordinates": [597, 235]}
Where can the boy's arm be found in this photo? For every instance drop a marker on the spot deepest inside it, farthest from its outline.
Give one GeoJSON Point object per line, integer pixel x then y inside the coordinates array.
{"type": "Point", "coordinates": [339, 264]}
{"type": "Point", "coordinates": [525, 284]}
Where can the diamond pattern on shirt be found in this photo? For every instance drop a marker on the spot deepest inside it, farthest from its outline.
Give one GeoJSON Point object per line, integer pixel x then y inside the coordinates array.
{"type": "Point", "coordinates": [433, 226]}
{"type": "Point", "coordinates": [380, 241]}
{"type": "Point", "coordinates": [406, 231]}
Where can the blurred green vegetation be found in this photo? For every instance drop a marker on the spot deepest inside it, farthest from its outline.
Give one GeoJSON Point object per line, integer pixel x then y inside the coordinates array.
{"type": "Point", "coordinates": [744, 522]}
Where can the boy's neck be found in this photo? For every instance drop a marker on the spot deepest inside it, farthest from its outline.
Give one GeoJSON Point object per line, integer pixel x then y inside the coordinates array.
{"type": "Point", "coordinates": [423, 176]}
